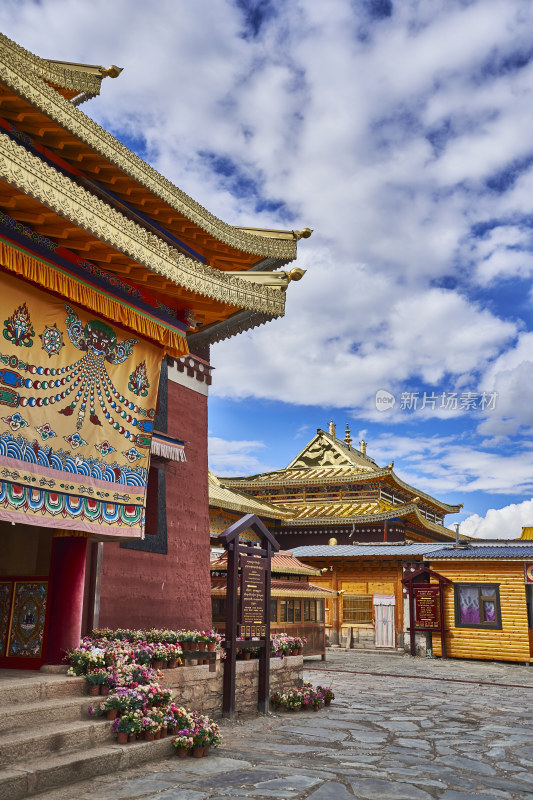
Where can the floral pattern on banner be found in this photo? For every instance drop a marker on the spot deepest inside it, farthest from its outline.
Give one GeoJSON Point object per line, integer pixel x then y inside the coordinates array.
{"type": "Point", "coordinates": [27, 626]}
{"type": "Point", "coordinates": [77, 425]}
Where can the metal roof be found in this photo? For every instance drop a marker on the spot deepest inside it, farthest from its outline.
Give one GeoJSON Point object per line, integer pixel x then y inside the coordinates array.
{"type": "Point", "coordinates": [353, 550]}
{"type": "Point", "coordinates": [487, 551]}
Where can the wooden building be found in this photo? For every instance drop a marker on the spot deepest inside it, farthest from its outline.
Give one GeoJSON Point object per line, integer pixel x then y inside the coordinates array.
{"type": "Point", "coordinates": [114, 283]}
{"type": "Point", "coordinates": [488, 608]}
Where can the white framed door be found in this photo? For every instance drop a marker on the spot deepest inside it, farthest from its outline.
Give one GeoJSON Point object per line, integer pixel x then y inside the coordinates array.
{"type": "Point", "coordinates": [384, 620]}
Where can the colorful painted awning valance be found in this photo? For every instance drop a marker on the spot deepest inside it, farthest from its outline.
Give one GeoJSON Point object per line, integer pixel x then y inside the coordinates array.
{"type": "Point", "coordinates": [167, 448]}
{"type": "Point", "coordinates": [77, 404]}
{"type": "Point", "coordinates": [54, 268]}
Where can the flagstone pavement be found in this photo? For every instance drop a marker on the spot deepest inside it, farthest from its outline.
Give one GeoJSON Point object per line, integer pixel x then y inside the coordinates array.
{"type": "Point", "coordinates": [401, 728]}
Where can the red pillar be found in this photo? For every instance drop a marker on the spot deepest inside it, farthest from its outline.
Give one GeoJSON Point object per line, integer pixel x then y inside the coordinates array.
{"type": "Point", "coordinates": [67, 577]}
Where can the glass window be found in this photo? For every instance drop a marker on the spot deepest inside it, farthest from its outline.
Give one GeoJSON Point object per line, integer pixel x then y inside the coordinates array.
{"type": "Point", "coordinates": [357, 609]}
{"type": "Point", "coordinates": [290, 610]}
{"type": "Point", "coordinates": [313, 611]}
{"type": "Point", "coordinates": [307, 611]}
{"type": "Point", "coordinates": [297, 610]}
{"type": "Point", "coordinates": [319, 610]}
{"type": "Point", "coordinates": [283, 611]}
{"type": "Point", "coordinates": [477, 605]}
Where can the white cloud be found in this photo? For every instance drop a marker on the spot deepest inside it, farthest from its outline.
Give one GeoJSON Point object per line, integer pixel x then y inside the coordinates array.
{"type": "Point", "coordinates": [500, 523]}
{"type": "Point", "coordinates": [228, 457]}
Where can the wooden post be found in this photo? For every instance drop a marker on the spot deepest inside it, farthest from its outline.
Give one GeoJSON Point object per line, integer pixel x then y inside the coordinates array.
{"type": "Point", "coordinates": [441, 615]}
{"type": "Point", "coordinates": [263, 700]}
{"type": "Point", "coordinates": [228, 703]}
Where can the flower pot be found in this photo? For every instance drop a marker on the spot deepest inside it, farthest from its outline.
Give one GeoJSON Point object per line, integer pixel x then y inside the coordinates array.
{"type": "Point", "coordinates": [104, 690]}
{"type": "Point", "coordinates": [206, 750]}
{"type": "Point", "coordinates": [246, 656]}
{"type": "Point", "coordinates": [211, 646]}
{"type": "Point", "coordinates": [181, 751]}
{"type": "Point", "coordinates": [149, 736]}
{"type": "Point", "coordinates": [157, 664]}
{"type": "Point", "coordinates": [111, 713]}
{"type": "Point", "coordinates": [93, 690]}
{"type": "Point", "coordinates": [172, 729]}
{"type": "Point", "coordinates": [157, 734]}
{"type": "Point", "coordinates": [122, 737]}
{"type": "Point", "coordinates": [172, 664]}
{"type": "Point", "coordinates": [198, 752]}
{"type": "Point", "coordinates": [132, 737]}
{"type": "Point", "coordinates": [202, 646]}
{"type": "Point", "coordinates": [327, 702]}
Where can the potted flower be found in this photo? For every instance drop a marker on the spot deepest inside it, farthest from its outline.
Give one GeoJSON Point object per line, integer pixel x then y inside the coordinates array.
{"type": "Point", "coordinates": [183, 742]}
{"type": "Point", "coordinates": [95, 680]}
{"type": "Point", "coordinates": [127, 726]}
{"type": "Point", "coordinates": [327, 693]}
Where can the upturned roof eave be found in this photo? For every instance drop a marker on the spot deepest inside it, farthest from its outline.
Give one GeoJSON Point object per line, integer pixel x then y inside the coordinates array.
{"type": "Point", "coordinates": [30, 76]}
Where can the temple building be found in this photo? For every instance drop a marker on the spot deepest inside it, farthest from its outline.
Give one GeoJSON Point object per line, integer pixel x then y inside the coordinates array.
{"type": "Point", "coordinates": [114, 284]}
{"type": "Point", "coordinates": [333, 491]}
{"type": "Point", "coordinates": [359, 524]}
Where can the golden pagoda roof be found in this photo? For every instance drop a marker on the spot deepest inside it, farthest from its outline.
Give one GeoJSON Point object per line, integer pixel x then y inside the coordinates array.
{"type": "Point", "coordinates": [221, 496]}
{"type": "Point", "coordinates": [527, 533]}
{"type": "Point", "coordinates": [108, 206]}
{"type": "Point", "coordinates": [36, 94]}
{"type": "Point", "coordinates": [327, 461]}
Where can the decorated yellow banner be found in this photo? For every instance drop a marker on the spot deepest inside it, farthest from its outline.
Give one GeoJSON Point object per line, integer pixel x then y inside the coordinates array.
{"type": "Point", "coordinates": [77, 403]}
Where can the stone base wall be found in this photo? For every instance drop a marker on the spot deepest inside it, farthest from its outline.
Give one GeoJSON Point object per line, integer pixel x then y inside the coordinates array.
{"type": "Point", "coordinates": [200, 690]}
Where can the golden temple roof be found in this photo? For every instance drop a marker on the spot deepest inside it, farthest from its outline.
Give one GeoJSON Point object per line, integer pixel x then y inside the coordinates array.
{"type": "Point", "coordinates": [327, 461]}
{"type": "Point", "coordinates": [108, 206]}
{"type": "Point", "coordinates": [221, 496]}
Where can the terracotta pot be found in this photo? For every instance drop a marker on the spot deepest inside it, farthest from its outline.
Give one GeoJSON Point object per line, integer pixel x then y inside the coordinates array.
{"type": "Point", "coordinates": [104, 690]}
{"type": "Point", "coordinates": [157, 734]}
{"type": "Point", "coordinates": [246, 656]}
{"type": "Point", "coordinates": [122, 737]}
{"type": "Point", "coordinates": [181, 751]}
{"type": "Point", "coordinates": [172, 664]}
{"type": "Point", "coordinates": [157, 664]}
{"type": "Point", "coordinates": [132, 737]}
{"type": "Point", "coordinates": [211, 646]}
{"type": "Point", "coordinates": [164, 731]}
{"type": "Point", "coordinates": [111, 714]}
{"type": "Point", "coordinates": [198, 752]}
{"type": "Point", "coordinates": [93, 690]}
{"type": "Point", "coordinates": [327, 702]}
{"type": "Point", "coordinates": [206, 750]}
{"type": "Point", "coordinates": [149, 736]}
{"type": "Point", "coordinates": [202, 646]}
{"type": "Point", "coordinates": [172, 729]}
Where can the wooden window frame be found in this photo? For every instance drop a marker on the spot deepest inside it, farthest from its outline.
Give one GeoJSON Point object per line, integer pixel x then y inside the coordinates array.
{"type": "Point", "coordinates": [495, 598]}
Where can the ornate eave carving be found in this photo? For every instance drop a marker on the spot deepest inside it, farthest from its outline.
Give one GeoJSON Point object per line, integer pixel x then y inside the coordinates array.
{"type": "Point", "coordinates": [29, 85]}
{"type": "Point", "coordinates": [55, 72]}
{"type": "Point", "coordinates": [37, 179]}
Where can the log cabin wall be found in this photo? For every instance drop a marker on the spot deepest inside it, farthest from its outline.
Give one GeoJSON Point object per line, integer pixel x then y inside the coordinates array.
{"type": "Point", "coordinates": [511, 642]}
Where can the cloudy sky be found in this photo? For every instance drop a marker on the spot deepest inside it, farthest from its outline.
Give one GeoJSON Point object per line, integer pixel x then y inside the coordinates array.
{"type": "Point", "coordinates": [400, 131]}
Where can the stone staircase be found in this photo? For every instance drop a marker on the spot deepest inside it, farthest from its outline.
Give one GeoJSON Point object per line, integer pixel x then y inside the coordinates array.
{"type": "Point", "coordinates": [48, 740]}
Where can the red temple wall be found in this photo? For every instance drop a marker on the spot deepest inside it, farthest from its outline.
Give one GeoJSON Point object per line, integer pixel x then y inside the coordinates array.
{"type": "Point", "coordinates": [141, 589]}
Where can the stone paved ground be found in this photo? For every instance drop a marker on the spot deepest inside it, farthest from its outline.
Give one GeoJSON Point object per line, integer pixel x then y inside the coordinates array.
{"type": "Point", "coordinates": [415, 731]}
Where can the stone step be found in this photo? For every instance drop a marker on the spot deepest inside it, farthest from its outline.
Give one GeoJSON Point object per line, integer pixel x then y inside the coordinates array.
{"type": "Point", "coordinates": [51, 772]}
{"type": "Point", "coordinates": [23, 717]}
{"type": "Point", "coordinates": [42, 687]}
{"type": "Point", "coordinates": [41, 741]}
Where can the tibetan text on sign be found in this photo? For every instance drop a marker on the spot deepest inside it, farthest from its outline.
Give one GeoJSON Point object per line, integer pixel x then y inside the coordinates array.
{"type": "Point", "coordinates": [427, 611]}
{"type": "Point", "coordinates": [252, 616]}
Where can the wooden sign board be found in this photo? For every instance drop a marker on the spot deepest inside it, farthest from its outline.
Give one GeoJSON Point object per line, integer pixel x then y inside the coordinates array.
{"type": "Point", "coordinates": [252, 607]}
{"type": "Point", "coordinates": [427, 608]}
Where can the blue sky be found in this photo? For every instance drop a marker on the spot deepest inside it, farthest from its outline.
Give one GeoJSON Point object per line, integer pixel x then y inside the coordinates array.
{"type": "Point", "coordinates": [399, 132]}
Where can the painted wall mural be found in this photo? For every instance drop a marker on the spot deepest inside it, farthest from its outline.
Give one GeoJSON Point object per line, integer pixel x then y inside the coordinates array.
{"type": "Point", "coordinates": [77, 404]}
